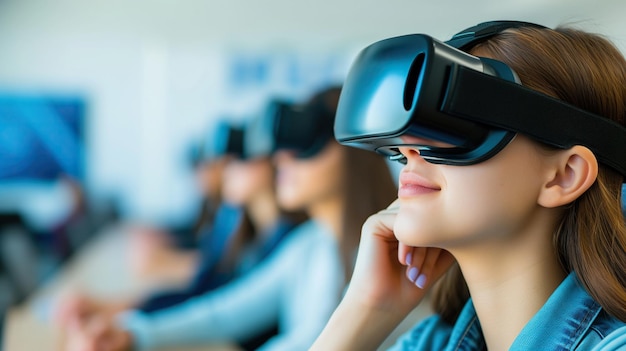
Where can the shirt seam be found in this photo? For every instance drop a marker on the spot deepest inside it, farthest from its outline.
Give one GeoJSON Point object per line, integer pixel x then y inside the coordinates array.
{"type": "Point", "coordinates": [464, 335]}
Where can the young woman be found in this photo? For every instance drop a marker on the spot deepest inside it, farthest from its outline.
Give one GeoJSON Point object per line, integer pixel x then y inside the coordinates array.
{"type": "Point", "coordinates": [531, 239]}
{"type": "Point", "coordinates": [299, 286]}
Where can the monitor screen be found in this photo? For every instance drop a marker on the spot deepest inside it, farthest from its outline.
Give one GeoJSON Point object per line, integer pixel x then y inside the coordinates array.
{"type": "Point", "coordinates": [41, 138]}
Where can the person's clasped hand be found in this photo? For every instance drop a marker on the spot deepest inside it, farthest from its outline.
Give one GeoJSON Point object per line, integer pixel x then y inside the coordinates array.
{"type": "Point", "coordinates": [96, 334]}
{"type": "Point", "coordinates": [389, 274]}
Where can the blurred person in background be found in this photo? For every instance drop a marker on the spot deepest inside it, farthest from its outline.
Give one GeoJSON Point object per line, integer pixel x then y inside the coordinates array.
{"type": "Point", "coordinates": [173, 255]}
{"type": "Point", "coordinates": [302, 282]}
{"type": "Point", "coordinates": [248, 225]}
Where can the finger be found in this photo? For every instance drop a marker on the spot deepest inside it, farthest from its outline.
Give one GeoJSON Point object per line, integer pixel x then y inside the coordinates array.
{"type": "Point", "coordinates": [78, 338]}
{"type": "Point", "coordinates": [405, 254]}
{"type": "Point", "coordinates": [413, 259]}
{"type": "Point", "coordinates": [422, 262]}
{"type": "Point", "coordinates": [411, 255]}
{"type": "Point", "coordinates": [427, 265]}
{"type": "Point", "coordinates": [394, 205]}
{"type": "Point", "coordinates": [99, 330]}
{"type": "Point", "coordinates": [96, 326]}
{"type": "Point", "coordinates": [436, 263]}
{"type": "Point", "coordinates": [381, 224]}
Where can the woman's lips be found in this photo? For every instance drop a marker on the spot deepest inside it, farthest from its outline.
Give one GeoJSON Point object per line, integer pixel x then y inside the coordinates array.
{"type": "Point", "coordinates": [412, 184]}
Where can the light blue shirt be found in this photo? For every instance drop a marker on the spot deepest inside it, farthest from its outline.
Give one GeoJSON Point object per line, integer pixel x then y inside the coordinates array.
{"type": "Point", "coordinates": [298, 286]}
{"type": "Point", "coordinates": [569, 320]}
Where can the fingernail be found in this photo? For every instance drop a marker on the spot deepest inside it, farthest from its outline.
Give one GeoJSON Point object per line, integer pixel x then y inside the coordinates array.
{"type": "Point", "coordinates": [412, 275]}
{"type": "Point", "coordinates": [409, 259]}
{"type": "Point", "coordinates": [421, 281]}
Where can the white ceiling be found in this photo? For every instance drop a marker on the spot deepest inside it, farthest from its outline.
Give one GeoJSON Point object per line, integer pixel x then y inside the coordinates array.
{"type": "Point", "coordinates": [321, 22]}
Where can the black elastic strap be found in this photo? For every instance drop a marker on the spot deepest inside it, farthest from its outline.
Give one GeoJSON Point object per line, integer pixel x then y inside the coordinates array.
{"type": "Point", "coordinates": [520, 109]}
{"type": "Point", "coordinates": [484, 31]}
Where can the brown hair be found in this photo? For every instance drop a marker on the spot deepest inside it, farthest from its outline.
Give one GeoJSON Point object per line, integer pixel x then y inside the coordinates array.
{"type": "Point", "coordinates": [369, 189]}
{"type": "Point", "coordinates": [368, 184]}
{"type": "Point", "coordinates": [587, 71]}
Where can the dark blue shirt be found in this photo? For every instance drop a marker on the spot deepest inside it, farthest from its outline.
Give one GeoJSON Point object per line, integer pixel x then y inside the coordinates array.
{"type": "Point", "coordinates": [213, 247]}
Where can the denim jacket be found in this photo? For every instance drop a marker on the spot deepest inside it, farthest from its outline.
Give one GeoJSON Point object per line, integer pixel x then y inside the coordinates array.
{"type": "Point", "coordinates": [569, 320]}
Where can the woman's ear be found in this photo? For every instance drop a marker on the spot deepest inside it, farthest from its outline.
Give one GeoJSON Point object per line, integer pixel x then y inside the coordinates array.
{"type": "Point", "coordinates": [574, 171]}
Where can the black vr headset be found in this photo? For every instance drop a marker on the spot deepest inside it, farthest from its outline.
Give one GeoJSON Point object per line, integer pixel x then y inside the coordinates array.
{"type": "Point", "coordinates": [221, 140]}
{"type": "Point", "coordinates": [415, 85]}
{"type": "Point", "coordinates": [302, 129]}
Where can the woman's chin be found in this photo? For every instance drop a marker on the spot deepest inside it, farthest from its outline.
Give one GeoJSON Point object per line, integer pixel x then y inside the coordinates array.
{"type": "Point", "coordinates": [289, 203]}
{"type": "Point", "coordinates": [409, 232]}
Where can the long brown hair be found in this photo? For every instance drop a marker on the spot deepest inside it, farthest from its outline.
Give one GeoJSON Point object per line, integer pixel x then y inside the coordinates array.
{"type": "Point", "coordinates": [587, 71]}
{"type": "Point", "coordinates": [369, 189]}
{"type": "Point", "coordinates": [367, 182]}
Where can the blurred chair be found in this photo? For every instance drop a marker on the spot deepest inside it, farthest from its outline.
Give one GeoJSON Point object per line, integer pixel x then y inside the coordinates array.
{"type": "Point", "coordinates": [19, 262]}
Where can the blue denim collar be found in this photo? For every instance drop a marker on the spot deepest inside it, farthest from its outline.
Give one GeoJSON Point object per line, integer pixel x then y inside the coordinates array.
{"type": "Point", "coordinates": [561, 323]}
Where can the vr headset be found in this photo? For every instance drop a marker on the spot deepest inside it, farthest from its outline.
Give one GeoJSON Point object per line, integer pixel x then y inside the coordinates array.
{"type": "Point", "coordinates": [223, 139]}
{"type": "Point", "coordinates": [418, 86]}
{"type": "Point", "coordinates": [302, 129]}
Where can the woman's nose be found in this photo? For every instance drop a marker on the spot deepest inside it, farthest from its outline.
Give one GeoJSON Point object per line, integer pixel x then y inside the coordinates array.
{"type": "Point", "coordinates": [409, 152]}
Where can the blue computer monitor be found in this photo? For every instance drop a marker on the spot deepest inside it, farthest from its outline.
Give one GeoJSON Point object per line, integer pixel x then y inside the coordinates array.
{"type": "Point", "coordinates": [42, 141]}
{"type": "Point", "coordinates": [41, 138]}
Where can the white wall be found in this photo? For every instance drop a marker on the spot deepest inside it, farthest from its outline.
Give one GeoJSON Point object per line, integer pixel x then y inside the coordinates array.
{"type": "Point", "coordinates": [155, 72]}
